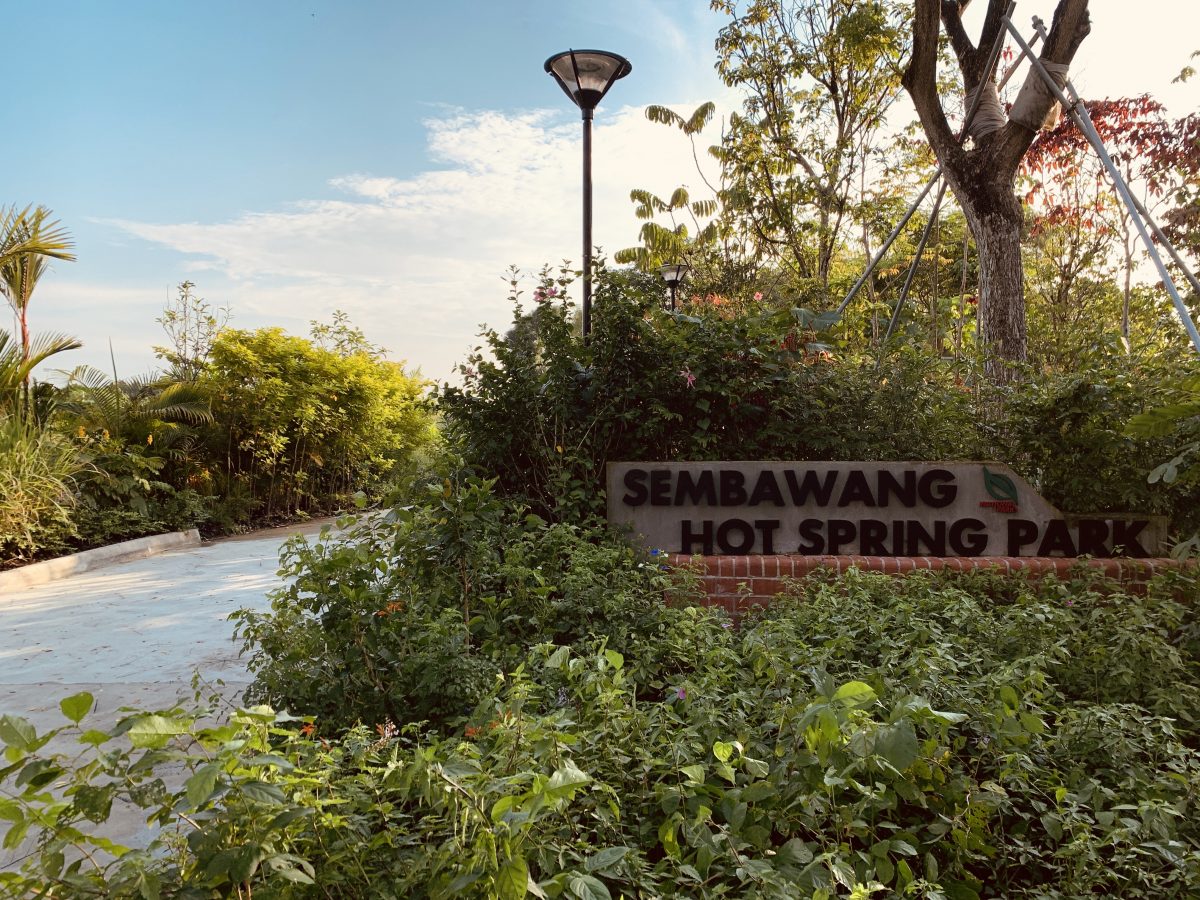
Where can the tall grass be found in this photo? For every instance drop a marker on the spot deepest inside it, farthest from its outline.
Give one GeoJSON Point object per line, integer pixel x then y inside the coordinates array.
{"type": "Point", "coordinates": [36, 469]}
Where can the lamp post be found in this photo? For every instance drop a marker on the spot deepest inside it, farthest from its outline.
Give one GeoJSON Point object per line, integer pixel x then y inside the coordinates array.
{"type": "Point", "coordinates": [585, 76]}
{"type": "Point", "coordinates": [673, 274]}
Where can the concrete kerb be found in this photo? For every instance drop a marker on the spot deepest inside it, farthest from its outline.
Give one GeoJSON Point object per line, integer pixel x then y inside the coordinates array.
{"type": "Point", "coordinates": [76, 563]}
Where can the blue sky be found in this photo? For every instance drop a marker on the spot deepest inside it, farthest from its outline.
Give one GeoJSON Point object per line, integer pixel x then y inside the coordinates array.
{"type": "Point", "coordinates": [387, 158]}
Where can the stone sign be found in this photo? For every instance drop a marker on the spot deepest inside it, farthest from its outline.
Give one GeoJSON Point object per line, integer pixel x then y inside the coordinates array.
{"type": "Point", "coordinates": [859, 508]}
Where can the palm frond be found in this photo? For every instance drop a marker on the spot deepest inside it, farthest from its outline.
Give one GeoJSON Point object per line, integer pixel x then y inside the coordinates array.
{"type": "Point", "coordinates": [30, 230]}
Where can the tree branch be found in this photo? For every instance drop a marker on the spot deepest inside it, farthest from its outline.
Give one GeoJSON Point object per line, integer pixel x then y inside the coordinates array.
{"type": "Point", "coordinates": [966, 52]}
{"type": "Point", "coordinates": [920, 80]}
{"type": "Point", "coordinates": [993, 27]}
{"type": "Point", "coordinates": [1071, 25]}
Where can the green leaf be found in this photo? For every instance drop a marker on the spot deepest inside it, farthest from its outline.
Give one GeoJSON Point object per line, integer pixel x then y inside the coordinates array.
{"type": "Point", "coordinates": [1010, 698]}
{"type": "Point", "coordinates": [606, 858]}
{"type": "Point", "coordinates": [695, 774]}
{"type": "Point", "coordinates": [11, 810]}
{"type": "Point", "coordinates": [16, 732]}
{"type": "Point", "coordinates": [666, 836]}
{"type": "Point", "coordinates": [262, 792]}
{"type": "Point", "coordinates": [288, 873]}
{"type": "Point", "coordinates": [77, 706]}
{"type": "Point", "coordinates": [15, 835]}
{"type": "Point", "coordinates": [898, 744]}
{"type": "Point", "coordinates": [94, 737]}
{"type": "Point", "coordinates": [39, 773]}
{"type": "Point", "coordinates": [288, 816]}
{"type": "Point", "coordinates": [615, 659]}
{"type": "Point", "coordinates": [755, 768]}
{"type": "Point", "coordinates": [512, 880]}
{"type": "Point", "coordinates": [154, 731]}
{"type": "Point", "coordinates": [566, 779]}
{"type": "Point", "coordinates": [587, 887]}
{"type": "Point", "coordinates": [794, 853]}
{"type": "Point", "coordinates": [856, 693]}
{"type": "Point", "coordinates": [501, 806]}
{"type": "Point", "coordinates": [202, 783]}
{"type": "Point", "coordinates": [722, 751]}
{"type": "Point", "coordinates": [245, 862]}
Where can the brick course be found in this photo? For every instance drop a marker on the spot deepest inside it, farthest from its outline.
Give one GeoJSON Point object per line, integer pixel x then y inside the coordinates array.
{"type": "Point", "coordinates": [736, 583]}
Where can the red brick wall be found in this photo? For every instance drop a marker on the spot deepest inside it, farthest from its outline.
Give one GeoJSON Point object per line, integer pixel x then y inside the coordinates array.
{"type": "Point", "coordinates": [738, 582]}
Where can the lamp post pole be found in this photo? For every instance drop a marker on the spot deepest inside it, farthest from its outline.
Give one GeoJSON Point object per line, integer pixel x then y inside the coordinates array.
{"type": "Point", "coordinates": [587, 222]}
{"type": "Point", "coordinates": [585, 76]}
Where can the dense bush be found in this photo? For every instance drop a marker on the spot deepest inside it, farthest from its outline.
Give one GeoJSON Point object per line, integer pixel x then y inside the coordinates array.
{"type": "Point", "coordinates": [416, 612]}
{"type": "Point", "coordinates": [932, 737]}
{"type": "Point", "coordinates": [268, 427]}
{"type": "Point", "coordinates": [1070, 436]}
{"type": "Point", "coordinates": [544, 411]}
{"type": "Point", "coordinates": [298, 427]}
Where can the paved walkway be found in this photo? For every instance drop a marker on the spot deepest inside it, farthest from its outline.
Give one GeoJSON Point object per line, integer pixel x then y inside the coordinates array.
{"type": "Point", "coordinates": [133, 633]}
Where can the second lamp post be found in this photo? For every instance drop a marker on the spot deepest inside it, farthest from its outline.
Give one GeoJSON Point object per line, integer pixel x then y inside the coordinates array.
{"type": "Point", "coordinates": [585, 76]}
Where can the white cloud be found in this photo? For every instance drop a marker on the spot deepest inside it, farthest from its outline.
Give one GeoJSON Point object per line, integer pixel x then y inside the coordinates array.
{"type": "Point", "coordinates": [418, 262]}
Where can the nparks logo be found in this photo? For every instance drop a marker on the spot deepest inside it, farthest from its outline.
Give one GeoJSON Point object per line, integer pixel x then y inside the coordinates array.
{"type": "Point", "coordinates": [1002, 491]}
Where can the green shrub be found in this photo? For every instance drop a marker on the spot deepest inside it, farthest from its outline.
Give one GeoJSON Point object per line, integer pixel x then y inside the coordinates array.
{"type": "Point", "coordinates": [1069, 435]}
{"type": "Point", "coordinates": [36, 492]}
{"type": "Point", "coordinates": [932, 737]}
{"type": "Point", "coordinates": [544, 411]}
{"type": "Point", "coordinates": [415, 612]}
{"type": "Point", "coordinates": [300, 428]}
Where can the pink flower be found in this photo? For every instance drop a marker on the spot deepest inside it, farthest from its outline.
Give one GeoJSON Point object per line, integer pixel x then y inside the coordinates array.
{"type": "Point", "coordinates": [686, 374]}
{"type": "Point", "coordinates": [758, 295]}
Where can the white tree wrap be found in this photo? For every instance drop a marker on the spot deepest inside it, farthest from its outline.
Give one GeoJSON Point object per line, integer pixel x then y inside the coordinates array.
{"type": "Point", "coordinates": [989, 116]}
{"type": "Point", "coordinates": [1036, 107]}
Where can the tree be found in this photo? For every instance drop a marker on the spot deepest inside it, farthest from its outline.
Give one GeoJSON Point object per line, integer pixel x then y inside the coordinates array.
{"type": "Point", "coordinates": [298, 427]}
{"type": "Point", "coordinates": [983, 176]}
{"type": "Point", "coordinates": [27, 240]}
{"type": "Point", "coordinates": [819, 76]}
{"type": "Point", "coordinates": [17, 363]}
{"type": "Point", "coordinates": [662, 244]}
{"type": "Point", "coordinates": [192, 325]}
{"type": "Point", "coordinates": [1069, 189]}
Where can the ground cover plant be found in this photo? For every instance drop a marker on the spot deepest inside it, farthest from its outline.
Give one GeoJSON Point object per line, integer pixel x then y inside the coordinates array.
{"type": "Point", "coordinates": [483, 703]}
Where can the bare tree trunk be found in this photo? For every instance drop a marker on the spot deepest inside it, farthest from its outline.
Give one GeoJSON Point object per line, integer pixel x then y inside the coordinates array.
{"type": "Point", "coordinates": [1001, 290]}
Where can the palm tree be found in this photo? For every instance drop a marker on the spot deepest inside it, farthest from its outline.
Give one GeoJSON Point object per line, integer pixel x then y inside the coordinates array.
{"type": "Point", "coordinates": [138, 411]}
{"type": "Point", "coordinates": [16, 364]}
{"type": "Point", "coordinates": [28, 238]}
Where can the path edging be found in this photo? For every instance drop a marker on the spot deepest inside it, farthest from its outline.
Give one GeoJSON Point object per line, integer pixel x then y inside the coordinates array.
{"type": "Point", "coordinates": [85, 561]}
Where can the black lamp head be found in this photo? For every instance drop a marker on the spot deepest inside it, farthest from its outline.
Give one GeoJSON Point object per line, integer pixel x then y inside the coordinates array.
{"type": "Point", "coordinates": [586, 75]}
{"type": "Point", "coordinates": [673, 273]}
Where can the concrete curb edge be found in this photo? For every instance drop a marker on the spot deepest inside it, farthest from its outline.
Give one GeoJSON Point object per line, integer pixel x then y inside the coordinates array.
{"type": "Point", "coordinates": [77, 563]}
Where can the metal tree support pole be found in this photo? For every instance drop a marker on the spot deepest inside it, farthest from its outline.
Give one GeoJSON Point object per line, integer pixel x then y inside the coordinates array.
{"type": "Point", "coordinates": [1166, 242]}
{"type": "Point", "coordinates": [937, 174]}
{"type": "Point", "coordinates": [891, 239]}
{"type": "Point", "coordinates": [1079, 114]}
{"type": "Point", "coordinates": [912, 270]}
{"type": "Point", "coordinates": [587, 223]}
